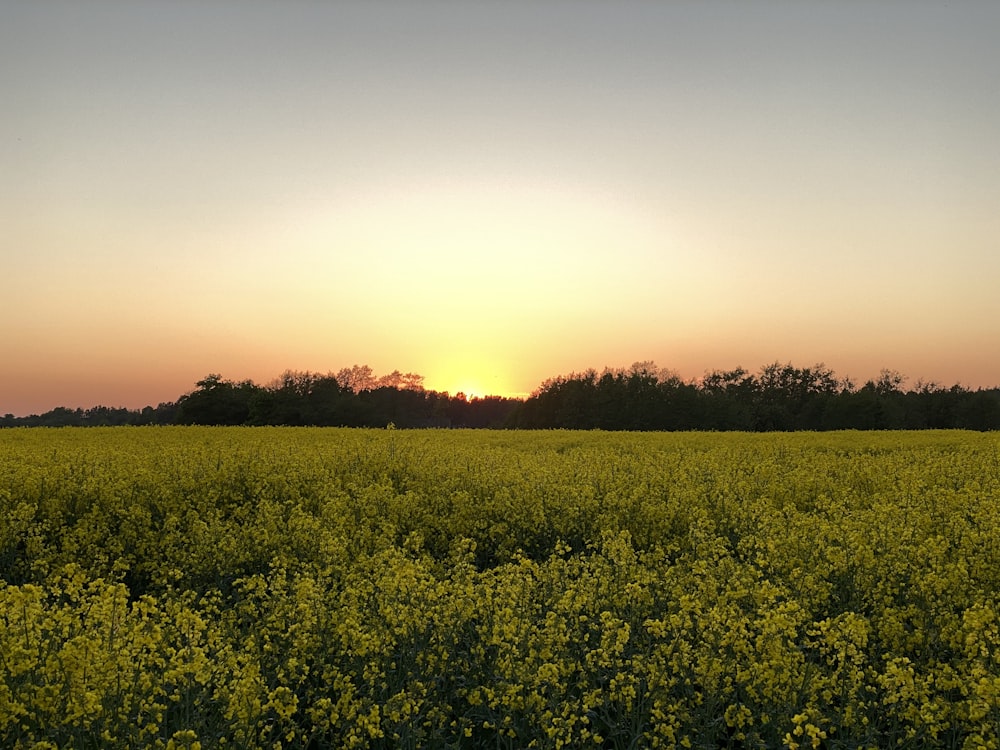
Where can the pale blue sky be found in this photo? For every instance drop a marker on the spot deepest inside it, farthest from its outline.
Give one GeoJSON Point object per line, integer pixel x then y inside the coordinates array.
{"type": "Point", "coordinates": [493, 193]}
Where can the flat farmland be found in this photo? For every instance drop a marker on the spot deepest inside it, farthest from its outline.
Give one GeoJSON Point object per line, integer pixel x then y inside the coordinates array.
{"type": "Point", "coordinates": [193, 587]}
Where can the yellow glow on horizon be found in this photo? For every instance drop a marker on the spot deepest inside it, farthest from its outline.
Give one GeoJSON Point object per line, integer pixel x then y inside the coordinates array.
{"type": "Point", "coordinates": [472, 388]}
{"type": "Point", "coordinates": [485, 222]}
{"type": "Point", "coordinates": [471, 391]}
{"type": "Point", "coordinates": [474, 373]}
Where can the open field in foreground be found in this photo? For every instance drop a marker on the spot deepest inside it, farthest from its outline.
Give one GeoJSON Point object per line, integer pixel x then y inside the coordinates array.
{"type": "Point", "coordinates": [240, 587]}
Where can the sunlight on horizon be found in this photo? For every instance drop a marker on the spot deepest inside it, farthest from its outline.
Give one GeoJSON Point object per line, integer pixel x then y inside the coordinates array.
{"type": "Point", "coordinates": [493, 194]}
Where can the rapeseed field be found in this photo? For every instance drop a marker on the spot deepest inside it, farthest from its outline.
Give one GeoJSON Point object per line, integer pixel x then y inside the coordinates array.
{"type": "Point", "coordinates": [330, 588]}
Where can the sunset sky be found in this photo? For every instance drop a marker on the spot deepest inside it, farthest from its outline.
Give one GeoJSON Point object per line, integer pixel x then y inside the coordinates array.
{"type": "Point", "coordinates": [492, 193]}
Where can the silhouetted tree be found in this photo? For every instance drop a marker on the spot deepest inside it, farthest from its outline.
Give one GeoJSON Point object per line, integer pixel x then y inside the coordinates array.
{"type": "Point", "coordinates": [641, 397]}
{"type": "Point", "coordinates": [357, 378]}
{"type": "Point", "coordinates": [217, 402]}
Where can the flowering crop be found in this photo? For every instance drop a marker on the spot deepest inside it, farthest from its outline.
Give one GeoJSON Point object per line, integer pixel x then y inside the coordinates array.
{"type": "Point", "coordinates": [314, 588]}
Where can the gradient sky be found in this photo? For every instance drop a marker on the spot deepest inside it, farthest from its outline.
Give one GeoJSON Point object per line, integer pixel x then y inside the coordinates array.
{"type": "Point", "coordinates": [492, 193]}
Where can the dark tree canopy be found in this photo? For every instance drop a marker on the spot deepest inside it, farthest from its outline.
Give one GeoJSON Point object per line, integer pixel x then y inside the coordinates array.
{"type": "Point", "coordinates": [641, 397]}
{"type": "Point", "coordinates": [779, 397]}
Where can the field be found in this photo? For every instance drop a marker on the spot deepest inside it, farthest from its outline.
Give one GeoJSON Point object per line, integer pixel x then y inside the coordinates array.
{"type": "Point", "coordinates": [327, 588]}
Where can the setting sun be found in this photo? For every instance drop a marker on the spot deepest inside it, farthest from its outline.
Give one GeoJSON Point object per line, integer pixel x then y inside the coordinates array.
{"type": "Point", "coordinates": [474, 378]}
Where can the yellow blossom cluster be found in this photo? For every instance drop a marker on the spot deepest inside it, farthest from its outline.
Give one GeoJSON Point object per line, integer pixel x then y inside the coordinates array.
{"type": "Point", "coordinates": [325, 588]}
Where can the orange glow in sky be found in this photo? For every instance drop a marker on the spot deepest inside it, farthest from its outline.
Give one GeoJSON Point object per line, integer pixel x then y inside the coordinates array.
{"type": "Point", "coordinates": [491, 194]}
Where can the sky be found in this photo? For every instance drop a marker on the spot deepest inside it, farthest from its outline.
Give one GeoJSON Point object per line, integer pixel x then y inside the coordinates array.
{"type": "Point", "coordinates": [492, 193]}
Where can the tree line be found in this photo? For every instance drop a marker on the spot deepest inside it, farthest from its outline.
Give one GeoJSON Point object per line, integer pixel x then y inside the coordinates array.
{"type": "Point", "coordinates": [778, 397]}
{"type": "Point", "coordinates": [353, 397]}
{"type": "Point", "coordinates": [641, 397]}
